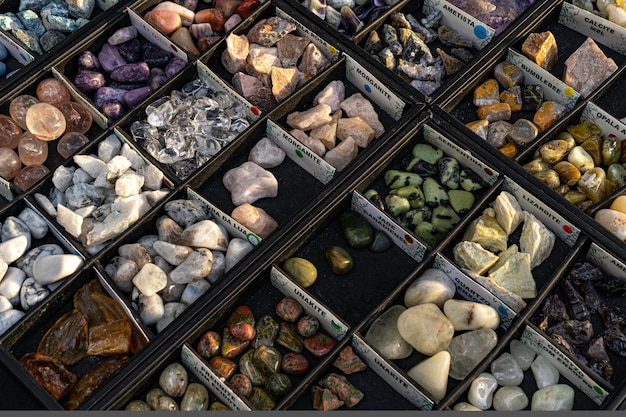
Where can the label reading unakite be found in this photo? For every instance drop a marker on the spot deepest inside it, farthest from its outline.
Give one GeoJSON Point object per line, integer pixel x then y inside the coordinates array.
{"type": "Point", "coordinates": [154, 36]}
{"type": "Point", "coordinates": [473, 291]}
{"type": "Point", "coordinates": [395, 379]}
{"type": "Point", "coordinates": [300, 154]}
{"type": "Point", "coordinates": [468, 26]}
{"type": "Point", "coordinates": [206, 75]}
{"type": "Point", "coordinates": [599, 29]}
{"type": "Point", "coordinates": [553, 88]}
{"type": "Point", "coordinates": [607, 262]}
{"type": "Point", "coordinates": [327, 49]}
{"type": "Point", "coordinates": [202, 372]}
{"type": "Point", "coordinates": [607, 123]}
{"type": "Point", "coordinates": [373, 88]}
{"type": "Point", "coordinates": [20, 54]}
{"type": "Point", "coordinates": [557, 224]}
{"type": "Point", "coordinates": [235, 229]}
{"type": "Point", "coordinates": [330, 322]}
{"type": "Point", "coordinates": [381, 221]}
{"type": "Point", "coordinates": [465, 157]}
{"type": "Point", "coordinates": [565, 365]}
{"type": "Point", "coordinates": [98, 117]}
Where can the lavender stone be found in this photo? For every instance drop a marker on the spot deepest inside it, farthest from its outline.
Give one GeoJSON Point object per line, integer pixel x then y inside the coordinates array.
{"type": "Point", "coordinates": [108, 93]}
{"type": "Point", "coordinates": [132, 73]}
{"type": "Point", "coordinates": [50, 39]}
{"type": "Point", "coordinates": [10, 21]}
{"type": "Point", "coordinates": [88, 60]}
{"type": "Point", "coordinates": [131, 50]}
{"type": "Point", "coordinates": [122, 35]}
{"type": "Point", "coordinates": [134, 97]}
{"type": "Point", "coordinates": [113, 109]}
{"type": "Point", "coordinates": [87, 80]}
{"type": "Point", "coordinates": [157, 78]}
{"type": "Point", "coordinates": [110, 58]}
{"type": "Point", "coordinates": [155, 56]}
{"type": "Point", "coordinates": [174, 66]}
{"type": "Point", "coordinates": [32, 22]}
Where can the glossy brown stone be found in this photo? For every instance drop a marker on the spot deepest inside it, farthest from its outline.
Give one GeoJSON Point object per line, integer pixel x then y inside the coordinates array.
{"type": "Point", "coordinates": [53, 91]}
{"type": "Point", "coordinates": [10, 132]}
{"type": "Point", "coordinates": [32, 151]}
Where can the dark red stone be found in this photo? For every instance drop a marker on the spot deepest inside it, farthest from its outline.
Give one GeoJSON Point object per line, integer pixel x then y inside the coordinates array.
{"type": "Point", "coordinates": [241, 385]}
{"type": "Point", "coordinates": [295, 364]}
{"type": "Point", "coordinates": [319, 344]}
{"type": "Point", "coordinates": [289, 309]}
{"type": "Point", "coordinates": [247, 7]}
{"type": "Point", "coordinates": [223, 366]}
{"type": "Point", "coordinates": [209, 344]}
{"type": "Point", "coordinates": [243, 331]}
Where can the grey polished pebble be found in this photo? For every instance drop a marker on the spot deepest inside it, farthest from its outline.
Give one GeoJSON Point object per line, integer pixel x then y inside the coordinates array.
{"type": "Point", "coordinates": [196, 398]}
{"type": "Point", "coordinates": [173, 380]}
{"type": "Point", "coordinates": [510, 398]}
{"type": "Point", "coordinates": [544, 372]}
{"type": "Point", "coordinates": [482, 390]}
{"type": "Point", "coordinates": [506, 370]}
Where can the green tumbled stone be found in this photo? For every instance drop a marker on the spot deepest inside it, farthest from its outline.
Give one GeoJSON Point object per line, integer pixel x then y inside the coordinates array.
{"type": "Point", "coordinates": [444, 218]}
{"type": "Point", "coordinates": [470, 181]}
{"type": "Point", "coordinates": [396, 179]}
{"type": "Point", "coordinates": [461, 201]}
{"type": "Point", "coordinates": [251, 370]}
{"type": "Point", "coordinates": [288, 337]}
{"type": "Point", "coordinates": [218, 406]}
{"type": "Point", "coordinates": [300, 270]}
{"type": "Point", "coordinates": [413, 193]}
{"type": "Point", "coordinates": [397, 205]}
{"type": "Point", "coordinates": [289, 309]}
{"type": "Point", "coordinates": [611, 150]}
{"type": "Point", "coordinates": [319, 344]}
{"type": "Point", "coordinates": [267, 359]}
{"type": "Point", "coordinates": [231, 346]}
{"type": "Point", "coordinates": [412, 218]}
{"type": "Point", "coordinates": [339, 259]}
{"type": "Point", "coordinates": [380, 243]}
{"type": "Point", "coordinates": [429, 233]}
{"type": "Point", "coordinates": [427, 152]}
{"type": "Point", "coordinates": [223, 366]}
{"type": "Point", "coordinates": [266, 332]}
{"type": "Point", "coordinates": [434, 194]}
{"type": "Point", "coordinates": [418, 166]}
{"type": "Point", "coordinates": [376, 199]}
{"type": "Point", "coordinates": [278, 385]}
{"type": "Point", "coordinates": [449, 172]}
{"type": "Point", "coordinates": [261, 400]}
{"type": "Point", "coordinates": [356, 229]}
{"type": "Point", "coordinates": [242, 314]}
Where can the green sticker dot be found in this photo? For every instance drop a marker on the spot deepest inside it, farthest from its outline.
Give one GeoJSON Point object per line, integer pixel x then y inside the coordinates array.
{"type": "Point", "coordinates": [299, 153]}
{"type": "Point", "coordinates": [598, 390]}
{"type": "Point", "coordinates": [335, 325]}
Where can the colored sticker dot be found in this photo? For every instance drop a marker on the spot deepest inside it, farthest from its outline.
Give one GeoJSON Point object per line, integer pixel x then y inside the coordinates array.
{"type": "Point", "coordinates": [253, 239]}
{"type": "Point", "coordinates": [503, 311]}
{"type": "Point", "coordinates": [175, 49]}
{"type": "Point", "coordinates": [408, 239]}
{"type": "Point", "coordinates": [569, 91]}
{"type": "Point", "coordinates": [334, 325]}
{"type": "Point", "coordinates": [567, 229]}
{"type": "Point", "coordinates": [488, 171]}
{"type": "Point", "coordinates": [367, 88]}
{"type": "Point", "coordinates": [612, 135]}
{"type": "Point", "coordinates": [255, 110]}
{"type": "Point", "coordinates": [332, 50]}
{"type": "Point", "coordinates": [480, 32]}
{"type": "Point", "coordinates": [598, 390]}
{"type": "Point", "coordinates": [298, 153]}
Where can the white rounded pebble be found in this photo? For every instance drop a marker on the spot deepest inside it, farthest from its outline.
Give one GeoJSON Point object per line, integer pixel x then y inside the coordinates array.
{"type": "Point", "coordinates": [237, 250]}
{"type": "Point", "coordinates": [9, 318]}
{"type": "Point", "coordinates": [5, 304]}
{"type": "Point", "coordinates": [12, 249]}
{"type": "Point", "coordinates": [53, 268]}
{"type": "Point", "coordinates": [150, 308]}
{"type": "Point", "coordinates": [37, 225]}
{"type": "Point", "coordinates": [150, 279]}
{"type": "Point", "coordinates": [11, 284]}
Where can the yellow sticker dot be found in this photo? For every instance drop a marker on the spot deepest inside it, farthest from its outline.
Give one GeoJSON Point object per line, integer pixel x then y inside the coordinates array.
{"type": "Point", "coordinates": [332, 50]}
{"type": "Point", "coordinates": [569, 91]}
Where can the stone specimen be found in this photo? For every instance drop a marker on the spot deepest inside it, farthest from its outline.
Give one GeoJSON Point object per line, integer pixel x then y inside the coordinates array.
{"type": "Point", "coordinates": [432, 374]}
{"type": "Point", "coordinates": [426, 328]}
{"type": "Point", "coordinates": [254, 218]}
{"type": "Point", "coordinates": [497, 16]}
{"type": "Point", "coordinates": [541, 48]}
{"type": "Point", "coordinates": [383, 334]}
{"type": "Point", "coordinates": [432, 286]}
{"type": "Point", "coordinates": [249, 183]}
{"type": "Point", "coordinates": [587, 68]}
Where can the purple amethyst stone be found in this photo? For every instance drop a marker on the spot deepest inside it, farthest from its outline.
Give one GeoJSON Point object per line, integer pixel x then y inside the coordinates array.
{"type": "Point", "coordinates": [110, 57]}
{"type": "Point", "coordinates": [113, 109]}
{"type": "Point", "coordinates": [131, 73]}
{"type": "Point", "coordinates": [131, 51]}
{"type": "Point", "coordinates": [87, 80]}
{"type": "Point", "coordinates": [134, 97]}
{"type": "Point", "coordinates": [107, 93]}
{"type": "Point", "coordinates": [174, 66]}
{"type": "Point", "coordinates": [155, 56]}
{"type": "Point", "coordinates": [157, 78]}
{"type": "Point", "coordinates": [89, 61]}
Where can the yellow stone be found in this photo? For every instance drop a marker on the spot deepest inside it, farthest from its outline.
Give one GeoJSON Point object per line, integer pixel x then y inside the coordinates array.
{"type": "Point", "coordinates": [513, 100]}
{"type": "Point", "coordinates": [495, 112]}
{"type": "Point", "coordinates": [619, 204]}
{"type": "Point", "coordinates": [548, 114]}
{"type": "Point", "coordinates": [487, 93]}
{"type": "Point", "coordinates": [541, 48]}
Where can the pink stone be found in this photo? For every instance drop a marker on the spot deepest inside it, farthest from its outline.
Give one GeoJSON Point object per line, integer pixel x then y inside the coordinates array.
{"type": "Point", "coordinates": [45, 121]}
{"type": "Point", "coordinates": [18, 107]}
{"type": "Point", "coordinates": [10, 132]}
{"type": "Point", "coordinates": [53, 91]}
{"type": "Point", "coordinates": [77, 117]}
{"type": "Point", "coordinates": [28, 176]}
{"type": "Point", "coordinates": [70, 143]}
{"type": "Point", "coordinates": [10, 163]}
{"type": "Point", "coordinates": [164, 20]}
{"type": "Point", "coordinates": [32, 151]}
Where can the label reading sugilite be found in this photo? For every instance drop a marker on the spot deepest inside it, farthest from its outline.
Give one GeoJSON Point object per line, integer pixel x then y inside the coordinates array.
{"type": "Point", "coordinates": [607, 262]}
{"type": "Point", "coordinates": [300, 154]}
{"type": "Point", "coordinates": [98, 117]}
{"type": "Point", "coordinates": [553, 88]}
{"type": "Point", "coordinates": [327, 49]}
{"type": "Point", "coordinates": [329, 321]}
{"type": "Point", "coordinates": [607, 123]}
{"type": "Point", "coordinates": [20, 54]}
{"type": "Point", "coordinates": [5, 189]}
{"type": "Point", "coordinates": [473, 291]}
{"type": "Point", "coordinates": [381, 221]}
{"type": "Point", "coordinates": [206, 375]}
{"type": "Point", "coordinates": [566, 366]}
{"type": "Point", "coordinates": [396, 380]}
{"type": "Point", "coordinates": [557, 224]}
{"type": "Point", "coordinates": [488, 174]}
{"type": "Point", "coordinates": [154, 36]}
{"type": "Point", "coordinates": [468, 26]}
{"type": "Point", "coordinates": [373, 88]}
{"type": "Point", "coordinates": [599, 29]}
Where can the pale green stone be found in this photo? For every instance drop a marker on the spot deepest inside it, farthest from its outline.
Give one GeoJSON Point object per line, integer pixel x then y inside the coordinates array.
{"type": "Point", "coordinates": [468, 349]}
{"type": "Point", "coordinates": [481, 391]}
{"type": "Point", "coordinates": [544, 372]}
{"type": "Point", "coordinates": [384, 336]}
{"type": "Point", "coordinates": [506, 370]}
{"type": "Point", "coordinates": [463, 406]}
{"type": "Point", "coordinates": [432, 374]}
{"type": "Point", "coordinates": [432, 286]}
{"type": "Point", "coordinates": [522, 353]}
{"type": "Point", "coordinates": [510, 399]}
{"type": "Point", "coordinates": [553, 398]}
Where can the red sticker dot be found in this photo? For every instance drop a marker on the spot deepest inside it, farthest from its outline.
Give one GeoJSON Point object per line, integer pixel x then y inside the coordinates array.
{"type": "Point", "coordinates": [488, 171]}
{"type": "Point", "coordinates": [255, 110]}
{"type": "Point", "coordinates": [567, 229]}
{"type": "Point", "coordinates": [408, 239]}
{"type": "Point", "coordinates": [175, 49]}
{"type": "Point", "coordinates": [612, 135]}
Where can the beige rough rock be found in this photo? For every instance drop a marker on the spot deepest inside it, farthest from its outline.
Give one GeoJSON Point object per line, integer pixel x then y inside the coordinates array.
{"type": "Point", "coordinates": [255, 219]}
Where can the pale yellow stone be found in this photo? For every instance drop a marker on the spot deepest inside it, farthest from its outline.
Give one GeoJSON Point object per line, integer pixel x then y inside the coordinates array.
{"type": "Point", "coordinates": [357, 128]}
{"type": "Point", "coordinates": [432, 374]}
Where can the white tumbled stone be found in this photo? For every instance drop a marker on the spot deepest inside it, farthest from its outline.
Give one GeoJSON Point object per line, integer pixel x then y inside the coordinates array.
{"type": "Point", "coordinates": [186, 212]}
{"type": "Point", "coordinates": [122, 271]}
{"type": "Point", "coordinates": [11, 284]}
{"type": "Point", "coordinates": [432, 374]}
{"type": "Point", "coordinates": [506, 370]}
{"type": "Point", "coordinates": [194, 290]}
{"type": "Point", "coordinates": [383, 334]}
{"type": "Point", "coordinates": [150, 279]}
{"type": "Point", "coordinates": [481, 391]}
{"type": "Point", "coordinates": [544, 372]}
{"type": "Point", "coordinates": [205, 234]}
{"type": "Point", "coordinates": [426, 328]}
{"type": "Point", "coordinates": [173, 254]}
{"type": "Point", "coordinates": [266, 154]}
{"type": "Point", "coordinates": [32, 293]}
{"type": "Point", "coordinates": [3, 268]}
{"type": "Point", "coordinates": [90, 164]}
{"type": "Point", "coordinates": [5, 304]}
{"type": "Point", "coordinates": [468, 315]}
{"type": "Point", "coordinates": [510, 398]}
{"type": "Point", "coordinates": [170, 312]}
{"type": "Point", "coordinates": [196, 266]}
{"type": "Point", "coordinates": [464, 406]}
{"type": "Point", "coordinates": [219, 267]}
{"type": "Point", "coordinates": [37, 224]}
{"type": "Point", "coordinates": [237, 249]}
{"type": "Point", "coordinates": [52, 268]}
{"type": "Point", "coordinates": [9, 318]}
{"type": "Point", "coordinates": [62, 177]}
{"type": "Point", "coordinates": [432, 286]}
{"type": "Point", "coordinates": [14, 227]}
{"type": "Point", "coordinates": [45, 204]}
{"type": "Point", "coordinates": [12, 249]}
{"type": "Point", "coordinates": [151, 308]}
{"type": "Point", "coordinates": [559, 397]}
{"type": "Point", "coordinates": [25, 263]}
{"type": "Point", "coordinates": [522, 353]}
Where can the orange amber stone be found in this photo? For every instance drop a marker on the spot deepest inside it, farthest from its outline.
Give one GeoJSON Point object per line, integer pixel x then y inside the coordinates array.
{"type": "Point", "coordinates": [487, 93]}
{"type": "Point", "coordinates": [494, 112]}
{"type": "Point", "coordinates": [212, 16]}
{"type": "Point", "coordinates": [10, 163]}
{"type": "Point", "coordinates": [512, 98]}
{"type": "Point", "coordinates": [32, 151]}
{"type": "Point", "coordinates": [548, 114]}
{"type": "Point", "coordinates": [10, 132]}
{"type": "Point", "coordinates": [510, 150]}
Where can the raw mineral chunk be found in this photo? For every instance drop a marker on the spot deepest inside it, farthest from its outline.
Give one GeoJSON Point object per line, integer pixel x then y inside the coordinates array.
{"type": "Point", "coordinates": [341, 155]}
{"type": "Point", "coordinates": [259, 63]}
{"type": "Point", "coordinates": [514, 274]}
{"type": "Point", "coordinates": [290, 49]}
{"type": "Point", "coordinates": [313, 61]}
{"type": "Point", "coordinates": [333, 95]}
{"type": "Point", "coordinates": [236, 52]}
{"type": "Point", "coordinates": [269, 31]}
{"type": "Point", "coordinates": [254, 218]}
{"type": "Point", "coordinates": [486, 231]}
{"type": "Point", "coordinates": [310, 119]}
{"type": "Point", "coordinates": [536, 239]}
{"type": "Point", "coordinates": [541, 48]}
{"type": "Point", "coordinates": [474, 257]}
{"type": "Point", "coordinates": [284, 82]}
{"type": "Point", "coordinates": [357, 105]}
{"type": "Point", "coordinates": [246, 85]}
{"type": "Point", "coordinates": [508, 212]}
{"type": "Point", "coordinates": [249, 182]}
{"type": "Point", "coordinates": [510, 298]}
{"type": "Point", "coordinates": [357, 128]}
{"type": "Point", "coordinates": [587, 68]}
{"type": "Point", "coordinates": [313, 144]}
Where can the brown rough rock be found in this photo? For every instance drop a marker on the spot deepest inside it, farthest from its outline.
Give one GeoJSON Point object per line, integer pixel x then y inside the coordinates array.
{"type": "Point", "coordinates": [255, 218]}
{"type": "Point", "coordinates": [291, 48]}
{"type": "Point", "coordinates": [235, 54]}
{"type": "Point", "coordinates": [587, 68]}
{"type": "Point", "coordinates": [357, 128]}
{"type": "Point", "coordinates": [245, 84]}
{"type": "Point", "coordinates": [284, 82]}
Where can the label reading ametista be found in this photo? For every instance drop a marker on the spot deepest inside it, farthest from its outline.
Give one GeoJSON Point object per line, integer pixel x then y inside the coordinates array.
{"type": "Point", "coordinates": [202, 372]}
{"type": "Point", "coordinates": [607, 123]}
{"type": "Point", "coordinates": [300, 154]}
{"type": "Point", "coordinates": [601, 30]}
{"type": "Point", "coordinates": [566, 367]}
{"type": "Point", "coordinates": [397, 381]}
{"type": "Point", "coordinates": [468, 26]}
{"type": "Point", "coordinates": [473, 291]}
{"type": "Point", "coordinates": [436, 139]}
{"type": "Point", "coordinates": [373, 89]}
{"type": "Point", "coordinates": [553, 88]}
{"type": "Point", "coordinates": [381, 221]}
{"type": "Point", "coordinates": [154, 36]}
{"type": "Point", "coordinates": [331, 323]}
{"type": "Point", "coordinates": [98, 117]}
{"type": "Point", "coordinates": [607, 262]}
{"type": "Point", "coordinates": [206, 75]}
{"type": "Point", "coordinates": [20, 54]}
{"type": "Point", "coordinates": [557, 224]}
{"type": "Point", "coordinates": [327, 49]}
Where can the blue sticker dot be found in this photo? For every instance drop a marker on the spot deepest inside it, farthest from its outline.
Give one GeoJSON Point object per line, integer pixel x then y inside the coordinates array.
{"type": "Point", "coordinates": [367, 88]}
{"type": "Point", "coordinates": [480, 32]}
{"type": "Point", "coordinates": [502, 311]}
{"type": "Point", "coordinates": [23, 57]}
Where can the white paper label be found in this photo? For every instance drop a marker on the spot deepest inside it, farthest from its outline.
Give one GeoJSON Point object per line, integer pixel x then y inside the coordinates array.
{"type": "Point", "coordinates": [373, 89]}
{"type": "Point", "coordinates": [330, 322]}
{"type": "Point", "coordinates": [5, 189]}
{"type": "Point", "coordinates": [553, 88]}
{"type": "Point", "coordinates": [484, 171]}
{"type": "Point", "coordinates": [20, 54]}
{"type": "Point", "coordinates": [607, 262]}
{"type": "Point", "coordinates": [381, 221]}
{"type": "Point", "coordinates": [557, 224]}
{"type": "Point", "coordinates": [601, 30]}
{"type": "Point", "coordinates": [154, 36]}
{"type": "Point", "coordinates": [327, 49]}
{"type": "Point", "coordinates": [98, 117]}
{"type": "Point", "coordinates": [566, 366]}
{"type": "Point", "coordinates": [468, 26]}
{"type": "Point", "coordinates": [212, 380]}
{"type": "Point", "coordinates": [252, 111]}
{"type": "Point", "coordinates": [396, 380]}
{"type": "Point", "coordinates": [473, 291]}
{"type": "Point", "coordinates": [609, 125]}
{"type": "Point", "coordinates": [300, 154]}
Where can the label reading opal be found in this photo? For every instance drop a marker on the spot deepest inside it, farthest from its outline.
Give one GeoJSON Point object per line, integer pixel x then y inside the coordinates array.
{"type": "Point", "coordinates": [599, 29]}
{"type": "Point", "coordinates": [154, 36]}
{"type": "Point", "coordinates": [566, 366]}
{"type": "Point", "coordinates": [468, 26]}
{"type": "Point", "coordinates": [331, 323]}
{"type": "Point", "coordinates": [557, 224]}
{"type": "Point", "coordinates": [607, 123]}
{"type": "Point", "coordinates": [373, 89]}
{"type": "Point", "coordinates": [473, 291]}
{"type": "Point", "coordinates": [300, 154]}
{"type": "Point", "coordinates": [464, 156]}
{"type": "Point", "coordinates": [206, 75]}
{"type": "Point", "coordinates": [5, 189]}
{"type": "Point", "coordinates": [607, 262]}
{"type": "Point", "coordinates": [219, 388]}
{"type": "Point", "coordinates": [98, 117]}
{"type": "Point", "coordinates": [381, 221]}
{"type": "Point", "coordinates": [327, 49]}
{"type": "Point", "coordinates": [20, 54]}
{"type": "Point", "coordinates": [553, 88]}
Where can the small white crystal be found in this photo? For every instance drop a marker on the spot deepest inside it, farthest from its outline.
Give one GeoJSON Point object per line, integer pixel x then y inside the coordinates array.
{"type": "Point", "coordinates": [136, 161]}
{"type": "Point", "coordinates": [150, 279]}
{"type": "Point", "coordinates": [117, 166]}
{"type": "Point", "coordinates": [544, 372]}
{"type": "Point", "coordinates": [45, 203]}
{"type": "Point", "coordinates": [129, 184]}
{"type": "Point", "coordinates": [37, 224]}
{"type": "Point", "coordinates": [90, 164]}
{"type": "Point", "coordinates": [70, 221]}
{"type": "Point", "coordinates": [333, 94]}
{"type": "Point", "coordinates": [153, 177]}
{"type": "Point", "coordinates": [171, 310]}
{"type": "Point", "coordinates": [62, 177]}
{"type": "Point", "coordinates": [81, 177]}
{"type": "Point", "coordinates": [150, 308]}
{"type": "Point", "coordinates": [237, 250]}
{"type": "Point", "coordinates": [109, 147]}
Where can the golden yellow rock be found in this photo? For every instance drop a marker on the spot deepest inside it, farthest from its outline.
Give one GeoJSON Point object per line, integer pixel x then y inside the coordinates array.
{"type": "Point", "coordinates": [487, 93]}
{"type": "Point", "coordinates": [510, 149]}
{"type": "Point", "coordinates": [494, 112]}
{"type": "Point", "coordinates": [541, 48]}
{"type": "Point", "coordinates": [619, 204]}
{"type": "Point", "coordinates": [479, 127]}
{"type": "Point", "coordinates": [548, 114]}
{"type": "Point", "coordinates": [512, 97]}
